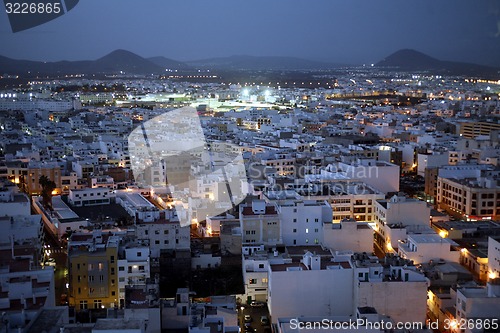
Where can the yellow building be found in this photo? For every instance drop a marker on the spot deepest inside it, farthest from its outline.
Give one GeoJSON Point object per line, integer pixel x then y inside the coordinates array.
{"type": "Point", "coordinates": [93, 272]}
{"type": "Point", "coordinates": [27, 175]}
{"type": "Point", "coordinates": [474, 128]}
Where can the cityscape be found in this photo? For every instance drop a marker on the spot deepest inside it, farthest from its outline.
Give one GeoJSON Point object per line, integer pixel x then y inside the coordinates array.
{"type": "Point", "coordinates": [265, 193]}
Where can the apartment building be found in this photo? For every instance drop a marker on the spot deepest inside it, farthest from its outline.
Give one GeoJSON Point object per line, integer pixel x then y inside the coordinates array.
{"type": "Point", "coordinates": [260, 223]}
{"type": "Point", "coordinates": [398, 216]}
{"type": "Point", "coordinates": [255, 270]}
{"type": "Point", "coordinates": [423, 248]}
{"type": "Point", "coordinates": [300, 220]}
{"type": "Point", "coordinates": [133, 266]}
{"type": "Point", "coordinates": [493, 257]}
{"type": "Point", "coordinates": [471, 196]}
{"type": "Point", "coordinates": [93, 270]}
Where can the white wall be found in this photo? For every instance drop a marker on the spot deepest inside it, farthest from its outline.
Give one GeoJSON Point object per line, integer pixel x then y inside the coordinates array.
{"type": "Point", "coordinates": [354, 236]}
{"type": "Point", "coordinates": [395, 298]}
{"type": "Point", "coordinates": [325, 292]}
{"type": "Point", "coordinates": [494, 257]}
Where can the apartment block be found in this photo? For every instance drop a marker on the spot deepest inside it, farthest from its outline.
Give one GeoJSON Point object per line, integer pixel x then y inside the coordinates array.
{"type": "Point", "coordinates": [93, 270]}
{"type": "Point", "coordinates": [260, 223]}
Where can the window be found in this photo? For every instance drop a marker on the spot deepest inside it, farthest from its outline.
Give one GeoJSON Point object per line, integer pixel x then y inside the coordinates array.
{"type": "Point", "coordinates": [122, 279]}
{"type": "Point", "coordinates": [157, 232]}
{"type": "Point", "coordinates": [113, 293]}
{"type": "Point", "coordinates": [79, 290]}
{"type": "Point", "coordinates": [316, 220]}
{"type": "Point", "coordinates": [97, 304]}
{"type": "Point", "coordinates": [101, 278]}
{"type": "Point", "coordinates": [165, 241]}
{"type": "Point", "coordinates": [112, 271]}
{"type": "Point", "coordinates": [139, 254]}
{"type": "Point", "coordinates": [294, 230]}
{"type": "Point", "coordinates": [261, 265]}
{"type": "Point", "coordinates": [294, 220]}
{"type": "Point", "coordinates": [165, 232]}
{"type": "Point", "coordinates": [157, 242]}
{"type": "Point", "coordinates": [100, 265]}
{"type": "Point", "coordinates": [252, 281]}
{"type": "Point", "coordinates": [121, 268]}
{"type": "Point", "coordinates": [141, 268]}
{"type": "Point", "coordinates": [91, 278]}
{"type": "Point", "coordinates": [77, 266]}
{"type": "Point", "coordinates": [91, 267]}
{"type": "Point", "coordinates": [264, 280]}
{"type": "Point", "coordinates": [79, 278]}
{"type": "Point", "coordinates": [112, 259]}
{"type": "Point", "coordinates": [83, 305]}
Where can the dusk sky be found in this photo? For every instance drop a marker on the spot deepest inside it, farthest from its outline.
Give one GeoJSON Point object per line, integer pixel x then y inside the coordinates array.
{"type": "Point", "coordinates": [351, 32]}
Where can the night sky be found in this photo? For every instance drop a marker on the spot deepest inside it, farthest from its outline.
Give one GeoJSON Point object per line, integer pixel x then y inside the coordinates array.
{"type": "Point", "coordinates": [341, 31]}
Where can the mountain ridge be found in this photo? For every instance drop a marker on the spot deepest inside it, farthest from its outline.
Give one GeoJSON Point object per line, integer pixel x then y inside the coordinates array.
{"type": "Point", "coordinates": [123, 61]}
{"type": "Point", "coordinates": [412, 60]}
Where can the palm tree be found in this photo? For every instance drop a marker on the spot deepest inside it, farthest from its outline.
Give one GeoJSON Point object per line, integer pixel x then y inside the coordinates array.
{"type": "Point", "coordinates": [47, 187]}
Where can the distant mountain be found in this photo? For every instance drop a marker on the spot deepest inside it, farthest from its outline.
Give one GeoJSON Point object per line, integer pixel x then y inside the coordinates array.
{"type": "Point", "coordinates": [242, 62]}
{"type": "Point", "coordinates": [411, 60]}
{"type": "Point", "coordinates": [114, 62]}
{"type": "Point", "coordinates": [167, 63]}
{"type": "Point", "coordinates": [126, 61]}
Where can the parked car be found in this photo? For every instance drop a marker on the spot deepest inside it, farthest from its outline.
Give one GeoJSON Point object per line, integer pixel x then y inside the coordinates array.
{"type": "Point", "coordinates": [256, 304]}
{"type": "Point", "coordinates": [248, 318]}
{"type": "Point", "coordinates": [264, 320]}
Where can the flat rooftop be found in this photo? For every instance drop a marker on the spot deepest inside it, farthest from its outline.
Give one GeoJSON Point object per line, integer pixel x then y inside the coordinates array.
{"type": "Point", "coordinates": [47, 320]}
{"type": "Point", "coordinates": [117, 324]}
{"type": "Point", "coordinates": [301, 250]}
{"type": "Point", "coordinates": [429, 238]}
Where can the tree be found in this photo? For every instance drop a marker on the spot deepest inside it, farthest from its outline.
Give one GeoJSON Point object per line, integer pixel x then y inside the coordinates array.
{"type": "Point", "coordinates": [47, 187]}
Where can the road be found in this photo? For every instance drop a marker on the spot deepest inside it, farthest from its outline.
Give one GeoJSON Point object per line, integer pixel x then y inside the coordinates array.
{"type": "Point", "coordinates": [256, 314]}
{"type": "Point", "coordinates": [56, 251]}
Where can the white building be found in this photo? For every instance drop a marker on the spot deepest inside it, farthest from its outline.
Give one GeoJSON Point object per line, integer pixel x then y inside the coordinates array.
{"type": "Point", "coordinates": [260, 223]}
{"type": "Point", "coordinates": [12, 202]}
{"type": "Point", "coordinates": [164, 235]}
{"type": "Point", "coordinates": [292, 285]}
{"type": "Point", "coordinates": [474, 303]}
{"type": "Point", "coordinates": [91, 196]}
{"type": "Point", "coordinates": [138, 206]}
{"type": "Point", "coordinates": [398, 216]}
{"type": "Point", "coordinates": [301, 220]}
{"type": "Point", "coordinates": [390, 286]}
{"type": "Point", "coordinates": [493, 257]}
{"type": "Point", "coordinates": [62, 219]}
{"type": "Point", "coordinates": [21, 228]}
{"type": "Point", "coordinates": [422, 248]}
{"type": "Point", "coordinates": [381, 175]}
{"type": "Point", "coordinates": [133, 266]}
{"type": "Point", "coordinates": [255, 270]}
{"type": "Point", "coordinates": [348, 235]}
